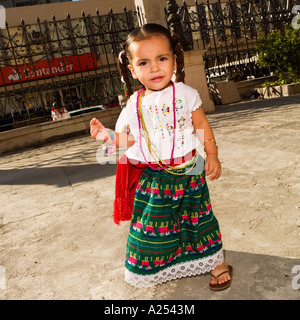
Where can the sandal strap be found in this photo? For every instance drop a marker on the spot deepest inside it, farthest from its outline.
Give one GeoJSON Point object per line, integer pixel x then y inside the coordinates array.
{"type": "Point", "coordinates": [220, 274]}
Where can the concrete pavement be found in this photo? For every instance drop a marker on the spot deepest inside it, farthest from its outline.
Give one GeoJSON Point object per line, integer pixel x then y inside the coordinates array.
{"type": "Point", "coordinates": [58, 240]}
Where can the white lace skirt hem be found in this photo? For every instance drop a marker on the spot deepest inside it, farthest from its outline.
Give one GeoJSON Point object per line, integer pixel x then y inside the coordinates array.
{"type": "Point", "coordinates": [180, 270]}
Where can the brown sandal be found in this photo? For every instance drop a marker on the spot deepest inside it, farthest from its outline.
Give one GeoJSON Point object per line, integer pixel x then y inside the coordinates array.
{"type": "Point", "coordinates": [224, 285]}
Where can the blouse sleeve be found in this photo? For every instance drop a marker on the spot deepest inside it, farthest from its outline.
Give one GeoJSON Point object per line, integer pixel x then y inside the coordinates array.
{"type": "Point", "coordinates": [192, 97]}
{"type": "Point", "coordinates": [125, 118]}
{"type": "Point", "coordinates": [122, 120]}
{"type": "Point", "coordinates": [196, 101]}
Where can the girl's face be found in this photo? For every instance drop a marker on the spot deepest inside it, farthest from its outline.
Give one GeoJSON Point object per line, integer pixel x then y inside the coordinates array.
{"type": "Point", "coordinates": [152, 62]}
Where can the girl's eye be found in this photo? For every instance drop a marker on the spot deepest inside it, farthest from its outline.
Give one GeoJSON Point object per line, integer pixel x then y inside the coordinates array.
{"type": "Point", "coordinates": [162, 59]}
{"type": "Point", "coordinates": [143, 63]}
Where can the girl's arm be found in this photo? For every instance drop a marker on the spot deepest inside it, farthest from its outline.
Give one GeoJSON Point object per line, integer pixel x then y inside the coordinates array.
{"type": "Point", "coordinates": [212, 164]}
{"type": "Point", "coordinates": [123, 139]}
{"type": "Point", "coordinates": [200, 122]}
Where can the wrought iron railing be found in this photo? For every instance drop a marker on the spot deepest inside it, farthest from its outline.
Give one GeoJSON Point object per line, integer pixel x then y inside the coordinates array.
{"type": "Point", "coordinates": [228, 31]}
{"type": "Point", "coordinates": [72, 62]}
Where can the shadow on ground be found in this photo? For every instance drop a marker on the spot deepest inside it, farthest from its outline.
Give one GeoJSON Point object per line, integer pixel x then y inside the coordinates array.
{"type": "Point", "coordinates": [60, 176]}
{"type": "Point", "coordinates": [256, 277]}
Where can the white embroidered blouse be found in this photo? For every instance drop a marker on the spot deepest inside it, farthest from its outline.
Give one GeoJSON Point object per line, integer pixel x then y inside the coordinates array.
{"type": "Point", "coordinates": [157, 109]}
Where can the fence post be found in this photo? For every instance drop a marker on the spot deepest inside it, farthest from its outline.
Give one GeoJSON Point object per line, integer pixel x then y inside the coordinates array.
{"type": "Point", "coordinates": [196, 77]}
{"type": "Point", "coordinates": [175, 26]}
{"type": "Point", "coordinates": [151, 11]}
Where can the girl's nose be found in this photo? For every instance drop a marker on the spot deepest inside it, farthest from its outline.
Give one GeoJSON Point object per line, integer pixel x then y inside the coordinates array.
{"type": "Point", "coordinates": [154, 67]}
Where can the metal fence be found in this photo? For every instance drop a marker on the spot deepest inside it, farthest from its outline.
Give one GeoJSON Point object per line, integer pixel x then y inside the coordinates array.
{"type": "Point", "coordinates": [228, 31]}
{"type": "Point", "coordinates": [72, 62]}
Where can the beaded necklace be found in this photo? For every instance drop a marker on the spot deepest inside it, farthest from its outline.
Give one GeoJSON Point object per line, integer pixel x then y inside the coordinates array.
{"type": "Point", "coordinates": [139, 115]}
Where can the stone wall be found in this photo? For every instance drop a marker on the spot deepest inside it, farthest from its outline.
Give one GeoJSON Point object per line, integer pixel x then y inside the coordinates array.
{"type": "Point", "coordinates": [44, 132]}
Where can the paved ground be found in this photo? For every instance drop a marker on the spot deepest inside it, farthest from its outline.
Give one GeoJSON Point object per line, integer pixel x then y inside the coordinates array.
{"type": "Point", "coordinates": [58, 240]}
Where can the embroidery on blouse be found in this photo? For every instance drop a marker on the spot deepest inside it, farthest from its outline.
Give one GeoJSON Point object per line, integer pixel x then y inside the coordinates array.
{"type": "Point", "coordinates": [159, 122]}
{"type": "Point", "coordinates": [170, 129]}
{"type": "Point", "coordinates": [179, 105]}
{"type": "Point", "coordinates": [149, 110]}
{"type": "Point", "coordinates": [165, 110]}
{"type": "Point", "coordinates": [181, 122]}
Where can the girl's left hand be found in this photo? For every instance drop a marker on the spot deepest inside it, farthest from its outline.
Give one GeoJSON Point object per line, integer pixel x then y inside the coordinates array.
{"type": "Point", "coordinates": [213, 167]}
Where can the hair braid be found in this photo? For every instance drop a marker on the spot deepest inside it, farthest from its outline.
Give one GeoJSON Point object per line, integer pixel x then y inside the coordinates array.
{"type": "Point", "coordinates": [180, 74]}
{"type": "Point", "coordinates": [124, 71]}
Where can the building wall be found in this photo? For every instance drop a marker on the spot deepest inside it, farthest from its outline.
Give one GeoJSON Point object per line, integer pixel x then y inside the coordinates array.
{"type": "Point", "coordinates": [20, 3]}
{"type": "Point", "coordinates": [60, 10]}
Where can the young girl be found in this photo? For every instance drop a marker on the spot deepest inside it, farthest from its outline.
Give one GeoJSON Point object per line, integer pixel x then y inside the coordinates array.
{"type": "Point", "coordinates": [160, 181]}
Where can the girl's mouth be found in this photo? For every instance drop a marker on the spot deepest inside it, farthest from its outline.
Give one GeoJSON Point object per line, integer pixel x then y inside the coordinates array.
{"type": "Point", "coordinates": [157, 79]}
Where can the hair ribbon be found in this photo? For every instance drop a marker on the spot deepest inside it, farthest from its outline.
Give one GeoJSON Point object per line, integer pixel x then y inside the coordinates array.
{"type": "Point", "coordinates": [120, 56]}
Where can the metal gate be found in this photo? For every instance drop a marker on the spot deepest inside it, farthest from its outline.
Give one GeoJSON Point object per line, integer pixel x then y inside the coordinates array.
{"type": "Point", "coordinates": [72, 62]}
{"type": "Point", "coordinates": [228, 31]}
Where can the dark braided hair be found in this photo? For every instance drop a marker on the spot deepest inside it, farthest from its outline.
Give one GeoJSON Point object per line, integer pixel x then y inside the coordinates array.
{"type": "Point", "coordinates": [178, 50]}
{"type": "Point", "coordinates": [124, 71]}
{"type": "Point", "coordinates": [145, 32]}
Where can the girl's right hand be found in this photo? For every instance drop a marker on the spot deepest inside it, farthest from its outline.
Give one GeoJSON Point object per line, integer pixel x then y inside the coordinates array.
{"type": "Point", "coordinates": [95, 127]}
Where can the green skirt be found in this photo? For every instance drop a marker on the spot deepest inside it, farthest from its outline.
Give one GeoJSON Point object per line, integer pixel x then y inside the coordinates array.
{"type": "Point", "coordinates": [173, 232]}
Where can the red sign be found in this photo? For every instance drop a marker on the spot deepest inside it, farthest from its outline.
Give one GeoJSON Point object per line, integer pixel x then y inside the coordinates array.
{"type": "Point", "coordinates": [47, 68]}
